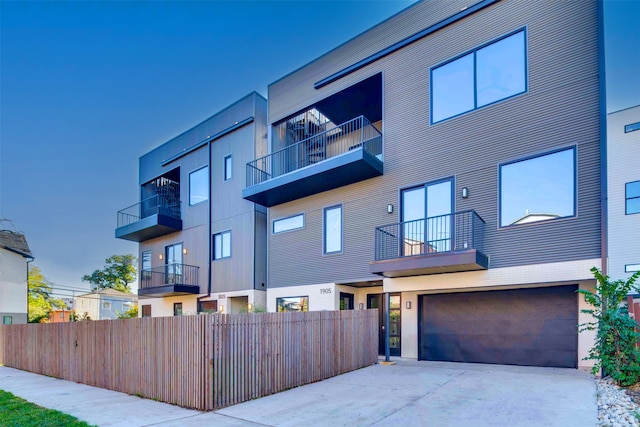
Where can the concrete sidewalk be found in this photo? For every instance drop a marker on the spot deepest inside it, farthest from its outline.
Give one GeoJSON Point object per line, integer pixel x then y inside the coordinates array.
{"type": "Point", "coordinates": [408, 393]}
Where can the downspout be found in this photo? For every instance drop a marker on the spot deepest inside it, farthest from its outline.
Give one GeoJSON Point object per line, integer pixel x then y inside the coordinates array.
{"type": "Point", "coordinates": [604, 197]}
{"type": "Point", "coordinates": [209, 237]}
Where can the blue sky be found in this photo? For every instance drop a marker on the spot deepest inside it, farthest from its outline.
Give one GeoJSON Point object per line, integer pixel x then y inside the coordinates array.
{"type": "Point", "coordinates": [88, 87]}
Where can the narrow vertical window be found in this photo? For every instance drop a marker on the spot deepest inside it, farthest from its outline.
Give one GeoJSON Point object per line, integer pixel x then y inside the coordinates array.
{"type": "Point", "coordinates": [177, 309]}
{"type": "Point", "coordinates": [333, 230]}
{"type": "Point", "coordinates": [222, 245]}
{"type": "Point", "coordinates": [199, 186]}
{"type": "Point", "coordinates": [228, 168]}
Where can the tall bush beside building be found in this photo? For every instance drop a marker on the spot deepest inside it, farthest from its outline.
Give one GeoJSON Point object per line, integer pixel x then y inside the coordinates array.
{"type": "Point", "coordinates": [615, 350]}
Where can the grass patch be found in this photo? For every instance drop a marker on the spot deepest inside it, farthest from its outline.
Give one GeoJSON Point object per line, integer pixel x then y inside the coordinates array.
{"type": "Point", "coordinates": [15, 412]}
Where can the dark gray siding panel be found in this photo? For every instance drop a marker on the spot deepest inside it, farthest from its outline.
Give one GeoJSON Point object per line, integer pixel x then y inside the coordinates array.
{"type": "Point", "coordinates": [560, 108]}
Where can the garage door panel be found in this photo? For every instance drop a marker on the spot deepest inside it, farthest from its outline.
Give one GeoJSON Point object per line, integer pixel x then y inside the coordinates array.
{"type": "Point", "coordinates": [536, 327]}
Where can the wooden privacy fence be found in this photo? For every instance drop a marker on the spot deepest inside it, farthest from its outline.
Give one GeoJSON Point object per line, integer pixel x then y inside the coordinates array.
{"type": "Point", "coordinates": [204, 362]}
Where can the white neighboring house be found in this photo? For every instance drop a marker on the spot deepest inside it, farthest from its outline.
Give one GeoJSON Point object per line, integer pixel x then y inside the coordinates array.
{"type": "Point", "coordinates": [623, 175]}
{"type": "Point", "coordinates": [104, 304]}
{"type": "Point", "coordinates": [14, 258]}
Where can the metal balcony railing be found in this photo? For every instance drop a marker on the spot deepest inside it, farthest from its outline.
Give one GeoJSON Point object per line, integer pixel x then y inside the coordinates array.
{"type": "Point", "coordinates": [445, 233]}
{"type": "Point", "coordinates": [157, 204]}
{"type": "Point", "coordinates": [169, 274]}
{"type": "Point", "coordinates": [356, 133]}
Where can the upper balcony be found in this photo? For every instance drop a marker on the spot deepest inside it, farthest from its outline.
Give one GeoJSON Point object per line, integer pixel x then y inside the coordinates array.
{"type": "Point", "coordinates": [153, 217]}
{"type": "Point", "coordinates": [345, 154]}
{"type": "Point", "coordinates": [442, 244]}
{"type": "Point", "coordinates": [169, 280]}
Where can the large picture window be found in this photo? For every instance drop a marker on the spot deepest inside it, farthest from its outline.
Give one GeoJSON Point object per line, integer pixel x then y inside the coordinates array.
{"type": "Point", "coordinates": [333, 230]}
{"type": "Point", "coordinates": [540, 188]}
{"type": "Point", "coordinates": [486, 75]}
{"type": "Point", "coordinates": [632, 197]}
{"type": "Point", "coordinates": [199, 186]}
{"type": "Point", "coordinates": [292, 304]}
{"type": "Point", "coordinates": [222, 245]}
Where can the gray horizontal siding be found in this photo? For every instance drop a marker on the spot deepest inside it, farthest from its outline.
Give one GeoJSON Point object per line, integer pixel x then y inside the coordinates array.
{"type": "Point", "coordinates": [561, 108]}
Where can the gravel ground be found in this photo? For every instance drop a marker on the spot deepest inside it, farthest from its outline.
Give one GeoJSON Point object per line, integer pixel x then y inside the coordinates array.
{"type": "Point", "coordinates": [615, 407]}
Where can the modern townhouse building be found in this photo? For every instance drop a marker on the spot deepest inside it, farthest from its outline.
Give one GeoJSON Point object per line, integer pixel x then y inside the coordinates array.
{"type": "Point", "coordinates": [202, 246]}
{"type": "Point", "coordinates": [15, 256]}
{"type": "Point", "coordinates": [623, 182]}
{"type": "Point", "coordinates": [445, 163]}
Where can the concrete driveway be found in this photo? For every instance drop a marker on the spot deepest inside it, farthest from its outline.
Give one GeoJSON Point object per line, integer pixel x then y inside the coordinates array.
{"type": "Point", "coordinates": [409, 393]}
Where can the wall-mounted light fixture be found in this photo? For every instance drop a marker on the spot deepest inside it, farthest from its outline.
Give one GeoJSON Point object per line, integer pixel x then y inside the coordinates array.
{"type": "Point", "coordinates": [221, 308]}
{"type": "Point", "coordinates": [361, 306]}
{"type": "Point", "coordinates": [250, 307]}
{"type": "Point", "coordinates": [161, 256]}
{"type": "Point", "coordinates": [389, 208]}
{"type": "Point", "coordinates": [184, 251]}
{"type": "Point", "coordinates": [408, 305]}
{"type": "Point", "coordinates": [465, 192]}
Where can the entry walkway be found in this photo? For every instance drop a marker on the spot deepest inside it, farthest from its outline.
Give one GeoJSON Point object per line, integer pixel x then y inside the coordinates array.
{"type": "Point", "coordinates": [408, 393]}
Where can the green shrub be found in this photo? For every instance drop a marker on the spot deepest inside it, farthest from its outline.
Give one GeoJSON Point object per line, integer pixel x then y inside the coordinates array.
{"type": "Point", "coordinates": [615, 350]}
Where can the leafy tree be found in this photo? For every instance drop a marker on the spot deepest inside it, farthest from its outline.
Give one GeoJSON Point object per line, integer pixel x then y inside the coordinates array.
{"type": "Point", "coordinates": [75, 317]}
{"type": "Point", "coordinates": [132, 313]}
{"type": "Point", "coordinates": [119, 271]}
{"type": "Point", "coordinates": [39, 297]}
{"type": "Point", "coordinates": [615, 349]}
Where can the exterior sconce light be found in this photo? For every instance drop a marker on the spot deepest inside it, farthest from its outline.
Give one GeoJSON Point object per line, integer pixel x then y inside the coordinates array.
{"type": "Point", "coordinates": [250, 307]}
{"type": "Point", "coordinates": [390, 208]}
{"type": "Point", "coordinates": [408, 305]}
{"type": "Point", "coordinates": [184, 251]}
{"type": "Point", "coordinates": [161, 257]}
{"type": "Point", "coordinates": [221, 308]}
{"type": "Point", "coordinates": [361, 306]}
{"type": "Point", "coordinates": [465, 192]}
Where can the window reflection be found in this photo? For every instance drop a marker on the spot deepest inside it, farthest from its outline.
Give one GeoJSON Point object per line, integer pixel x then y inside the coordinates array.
{"type": "Point", "coordinates": [333, 229]}
{"type": "Point", "coordinates": [199, 186]}
{"type": "Point", "coordinates": [538, 189]}
{"type": "Point", "coordinates": [292, 304]}
{"type": "Point", "coordinates": [486, 75]}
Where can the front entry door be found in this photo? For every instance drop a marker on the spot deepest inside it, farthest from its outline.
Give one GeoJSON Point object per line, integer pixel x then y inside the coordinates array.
{"type": "Point", "coordinates": [378, 301]}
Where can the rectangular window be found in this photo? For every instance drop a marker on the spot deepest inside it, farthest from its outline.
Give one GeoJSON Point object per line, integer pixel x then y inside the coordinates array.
{"type": "Point", "coordinates": [199, 186]}
{"type": "Point", "coordinates": [292, 304]}
{"type": "Point", "coordinates": [288, 224]}
{"type": "Point", "coordinates": [632, 127]}
{"type": "Point", "coordinates": [486, 75]}
{"type": "Point", "coordinates": [228, 168]}
{"type": "Point", "coordinates": [333, 229]}
{"type": "Point", "coordinates": [222, 245]}
{"type": "Point", "coordinates": [632, 197]}
{"type": "Point", "coordinates": [145, 269]}
{"type": "Point", "coordinates": [539, 188]}
{"type": "Point", "coordinates": [106, 305]}
{"type": "Point", "coordinates": [7, 320]}
{"type": "Point", "coordinates": [146, 310]}
{"type": "Point", "coordinates": [631, 268]}
{"type": "Point", "coordinates": [207, 306]}
{"type": "Point", "coordinates": [177, 309]}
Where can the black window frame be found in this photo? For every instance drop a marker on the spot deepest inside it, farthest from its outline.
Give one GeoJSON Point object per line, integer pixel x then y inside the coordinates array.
{"type": "Point", "coordinates": [324, 229]}
{"type": "Point", "coordinates": [627, 198]}
{"type": "Point", "coordinates": [177, 309]}
{"type": "Point", "coordinates": [475, 77]}
{"type": "Point", "coordinates": [207, 181]}
{"type": "Point", "coordinates": [631, 127]}
{"type": "Point", "coordinates": [273, 224]}
{"type": "Point", "coordinates": [221, 234]}
{"type": "Point", "coordinates": [228, 168]}
{"type": "Point", "coordinates": [574, 148]}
